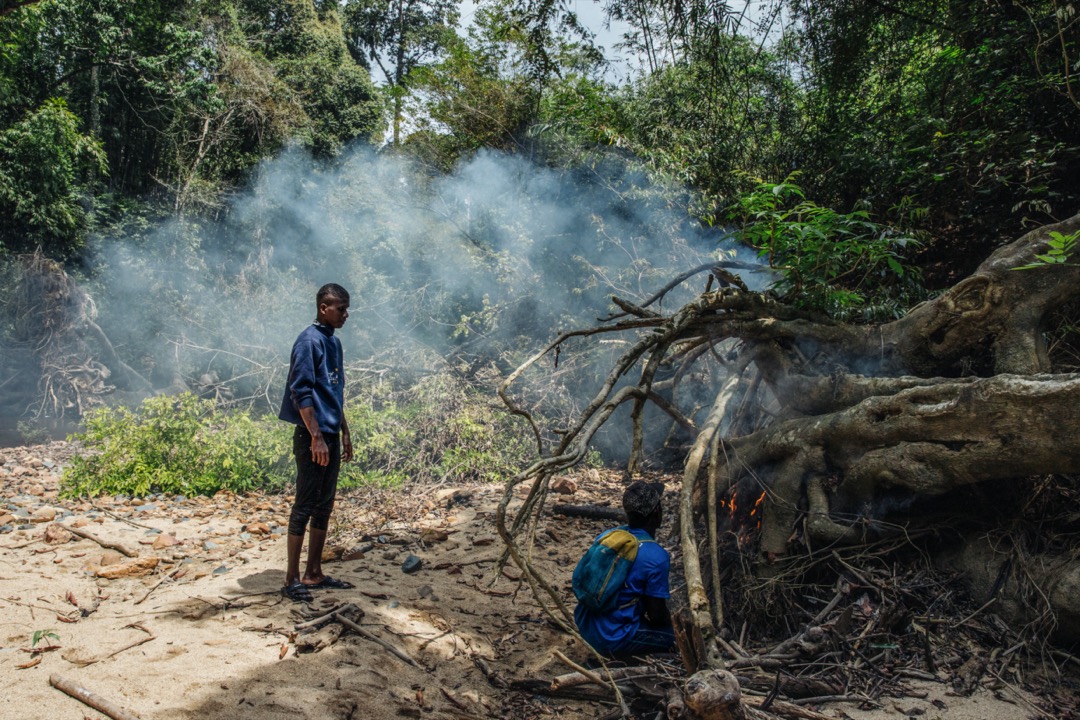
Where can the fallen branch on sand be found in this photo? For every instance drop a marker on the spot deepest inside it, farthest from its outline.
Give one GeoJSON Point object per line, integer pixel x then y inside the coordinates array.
{"type": "Point", "coordinates": [107, 544]}
{"type": "Point", "coordinates": [338, 615]}
{"type": "Point", "coordinates": [74, 659]}
{"type": "Point", "coordinates": [88, 698]}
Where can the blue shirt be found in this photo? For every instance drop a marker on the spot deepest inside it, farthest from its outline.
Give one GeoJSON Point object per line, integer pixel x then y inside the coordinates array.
{"type": "Point", "coordinates": [648, 578]}
{"type": "Point", "coordinates": [316, 379]}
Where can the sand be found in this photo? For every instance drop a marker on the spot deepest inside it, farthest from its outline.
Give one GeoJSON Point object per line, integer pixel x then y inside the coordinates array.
{"type": "Point", "coordinates": [218, 639]}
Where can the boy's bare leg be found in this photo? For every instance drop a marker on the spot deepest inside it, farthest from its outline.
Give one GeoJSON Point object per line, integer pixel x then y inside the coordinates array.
{"type": "Point", "coordinates": [294, 545]}
{"type": "Point", "coordinates": [313, 571]}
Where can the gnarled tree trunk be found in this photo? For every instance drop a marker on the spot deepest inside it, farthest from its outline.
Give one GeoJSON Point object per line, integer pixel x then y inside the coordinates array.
{"type": "Point", "coordinates": [860, 419]}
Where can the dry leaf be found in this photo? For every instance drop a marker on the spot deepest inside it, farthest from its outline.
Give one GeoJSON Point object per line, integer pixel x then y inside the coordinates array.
{"type": "Point", "coordinates": [32, 663]}
{"type": "Point", "coordinates": [284, 651]}
{"type": "Point", "coordinates": [420, 697]}
{"type": "Point", "coordinates": [219, 641]}
{"type": "Point", "coordinates": [70, 597]}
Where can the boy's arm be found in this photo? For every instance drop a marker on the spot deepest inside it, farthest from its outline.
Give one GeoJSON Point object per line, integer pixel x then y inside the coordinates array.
{"type": "Point", "coordinates": [346, 440]}
{"type": "Point", "coordinates": [320, 453]}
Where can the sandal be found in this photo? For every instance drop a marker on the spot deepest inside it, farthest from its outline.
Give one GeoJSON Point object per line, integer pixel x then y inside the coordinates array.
{"type": "Point", "coordinates": [331, 583]}
{"type": "Point", "coordinates": [297, 592]}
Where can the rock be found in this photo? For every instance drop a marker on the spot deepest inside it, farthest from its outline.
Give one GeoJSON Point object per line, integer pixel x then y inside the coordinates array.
{"type": "Point", "coordinates": [110, 557]}
{"type": "Point", "coordinates": [6, 519]}
{"type": "Point", "coordinates": [164, 540]}
{"type": "Point", "coordinates": [57, 534]}
{"type": "Point", "coordinates": [411, 564]}
{"type": "Point", "coordinates": [80, 522]}
{"type": "Point", "coordinates": [210, 545]}
{"type": "Point", "coordinates": [133, 568]}
{"type": "Point", "coordinates": [43, 515]}
{"type": "Point", "coordinates": [220, 570]}
{"type": "Point", "coordinates": [332, 553]}
{"type": "Point", "coordinates": [425, 591]}
{"type": "Point", "coordinates": [432, 535]}
{"type": "Point", "coordinates": [258, 528]}
{"type": "Point", "coordinates": [564, 485]}
{"type": "Point", "coordinates": [145, 508]}
{"type": "Point", "coordinates": [5, 529]}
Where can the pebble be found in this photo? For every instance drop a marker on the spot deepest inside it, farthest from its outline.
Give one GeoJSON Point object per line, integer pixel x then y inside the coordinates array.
{"type": "Point", "coordinates": [210, 545]}
{"type": "Point", "coordinates": [411, 564]}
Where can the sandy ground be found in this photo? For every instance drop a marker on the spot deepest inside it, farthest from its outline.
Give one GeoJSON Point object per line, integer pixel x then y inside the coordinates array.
{"type": "Point", "coordinates": [206, 633]}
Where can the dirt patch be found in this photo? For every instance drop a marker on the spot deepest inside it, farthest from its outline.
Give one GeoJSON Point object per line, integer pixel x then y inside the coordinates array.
{"type": "Point", "coordinates": [205, 633]}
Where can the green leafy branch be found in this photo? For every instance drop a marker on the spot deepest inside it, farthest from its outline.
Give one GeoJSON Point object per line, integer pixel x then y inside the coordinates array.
{"type": "Point", "coordinates": [1061, 248]}
{"type": "Point", "coordinates": [828, 260]}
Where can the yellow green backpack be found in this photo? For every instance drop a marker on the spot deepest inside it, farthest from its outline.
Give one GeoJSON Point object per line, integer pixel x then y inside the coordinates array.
{"type": "Point", "coordinates": [603, 569]}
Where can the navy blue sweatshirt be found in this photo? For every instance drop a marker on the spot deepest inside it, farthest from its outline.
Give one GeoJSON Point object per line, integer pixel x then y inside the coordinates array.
{"type": "Point", "coordinates": [316, 379]}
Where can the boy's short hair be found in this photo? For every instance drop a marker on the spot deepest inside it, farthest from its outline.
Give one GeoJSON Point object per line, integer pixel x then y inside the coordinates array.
{"type": "Point", "coordinates": [331, 291]}
{"type": "Point", "coordinates": [640, 501]}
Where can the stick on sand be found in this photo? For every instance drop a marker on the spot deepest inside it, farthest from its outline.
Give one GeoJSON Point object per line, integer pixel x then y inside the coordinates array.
{"type": "Point", "coordinates": [95, 701]}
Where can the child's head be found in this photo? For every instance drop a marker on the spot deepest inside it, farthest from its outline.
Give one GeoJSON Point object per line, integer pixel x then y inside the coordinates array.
{"type": "Point", "coordinates": [641, 502]}
{"type": "Point", "coordinates": [332, 302]}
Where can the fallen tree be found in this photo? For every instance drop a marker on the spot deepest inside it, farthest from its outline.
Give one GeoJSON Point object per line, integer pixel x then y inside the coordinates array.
{"type": "Point", "coordinates": [833, 427]}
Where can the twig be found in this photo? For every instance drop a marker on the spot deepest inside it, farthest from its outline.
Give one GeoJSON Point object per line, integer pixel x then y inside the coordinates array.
{"type": "Point", "coordinates": [121, 518]}
{"type": "Point", "coordinates": [376, 639]}
{"type": "Point", "coordinates": [114, 653]}
{"type": "Point", "coordinates": [1019, 694]}
{"type": "Point", "coordinates": [786, 709]}
{"type": "Point", "coordinates": [88, 698]}
{"type": "Point", "coordinates": [575, 678]}
{"type": "Point", "coordinates": [21, 545]}
{"type": "Point", "coordinates": [107, 544]}
{"type": "Point", "coordinates": [323, 618]}
{"type": "Point", "coordinates": [982, 607]}
{"type": "Point", "coordinates": [596, 679]}
{"type": "Point", "coordinates": [584, 672]}
{"type": "Point", "coordinates": [832, 698]}
{"type": "Point", "coordinates": [155, 587]}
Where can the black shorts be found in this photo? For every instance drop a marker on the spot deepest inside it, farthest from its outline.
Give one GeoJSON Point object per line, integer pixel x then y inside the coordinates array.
{"type": "Point", "coordinates": [316, 485]}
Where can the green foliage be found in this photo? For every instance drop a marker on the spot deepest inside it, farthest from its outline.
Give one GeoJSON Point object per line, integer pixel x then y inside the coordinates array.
{"type": "Point", "coordinates": [944, 103]}
{"type": "Point", "coordinates": [1060, 250]}
{"type": "Point", "coordinates": [470, 102]}
{"type": "Point", "coordinates": [437, 430]}
{"type": "Point", "coordinates": [45, 162]}
{"type": "Point", "coordinates": [32, 432]}
{"type": "Point", "coordinates": [398, 37]}
{"type": "Point", "coordinates": [828, 261]}
{"type": "Point", "coordinates": [177, 444]}
{"type": "Point", "coordinates": [48, 635]}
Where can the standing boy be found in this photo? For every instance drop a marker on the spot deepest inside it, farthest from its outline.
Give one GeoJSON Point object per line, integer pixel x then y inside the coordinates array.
{"type": "Point", "coordinates": [314, 402]}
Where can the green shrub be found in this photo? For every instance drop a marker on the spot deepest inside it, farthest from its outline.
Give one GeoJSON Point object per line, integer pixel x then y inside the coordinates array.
{"type": "Point", "coordinates": [178, 444]}
{"type": "Point", "coordinates": [828, 260]}
{"type": "Point", "coordinates": [438, 429]}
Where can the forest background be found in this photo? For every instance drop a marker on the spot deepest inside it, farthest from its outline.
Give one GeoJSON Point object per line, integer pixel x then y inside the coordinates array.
{"type": "Point", "coordinates": [192, 171]}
